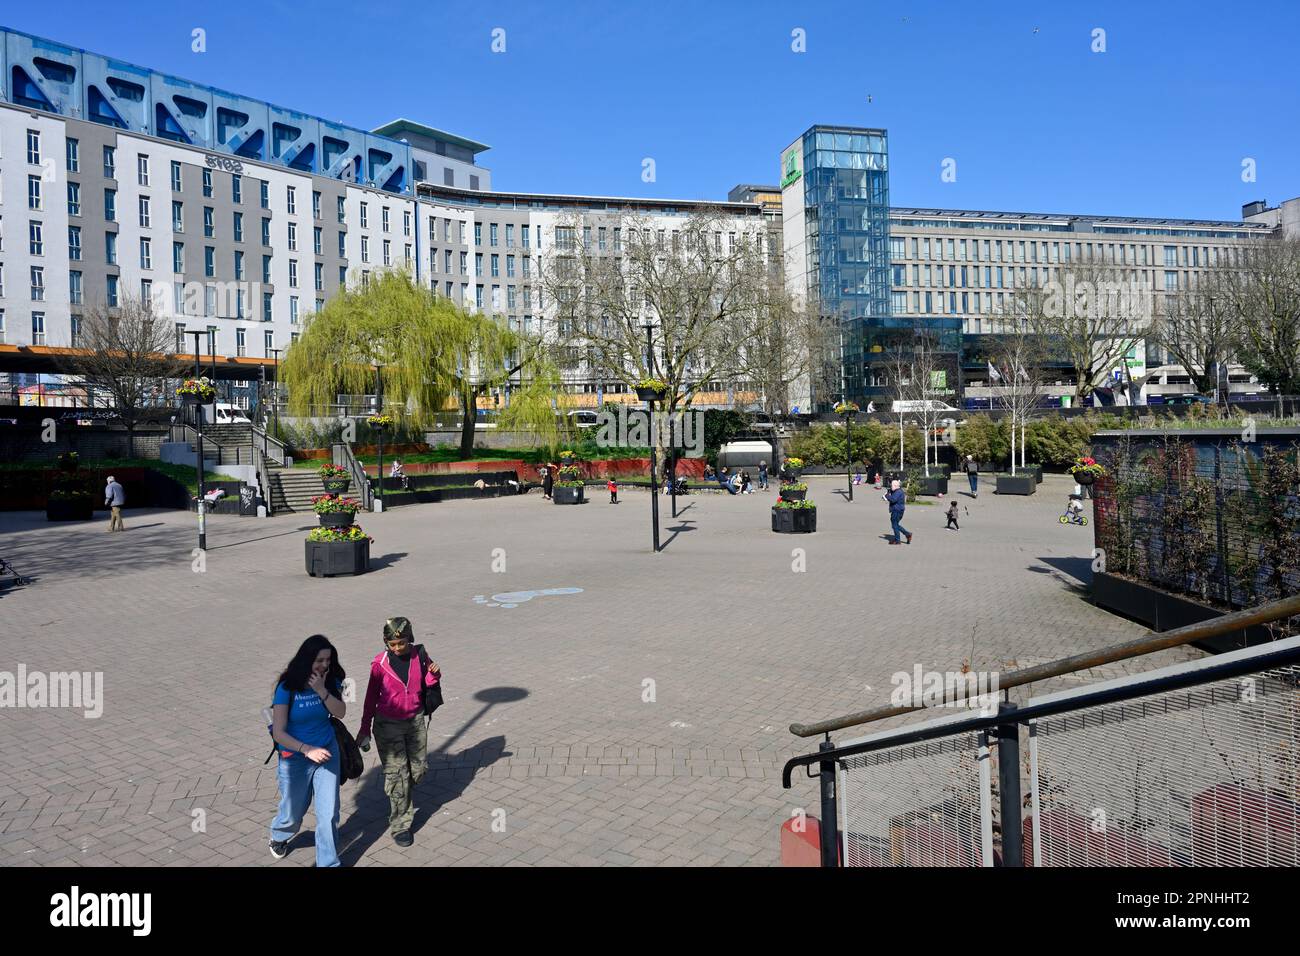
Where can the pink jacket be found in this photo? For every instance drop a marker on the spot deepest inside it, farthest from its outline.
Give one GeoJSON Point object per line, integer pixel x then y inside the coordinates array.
{"type": "Point", "coordinates": [388, 696]}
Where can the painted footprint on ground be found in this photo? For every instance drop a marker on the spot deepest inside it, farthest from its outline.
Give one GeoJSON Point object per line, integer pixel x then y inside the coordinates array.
{"type": "Point", "coordinates": [516, 598]}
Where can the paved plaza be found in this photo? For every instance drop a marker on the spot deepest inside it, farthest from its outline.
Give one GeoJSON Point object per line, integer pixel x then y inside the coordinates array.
{"type": "Point", "coordinates": [638, 717]}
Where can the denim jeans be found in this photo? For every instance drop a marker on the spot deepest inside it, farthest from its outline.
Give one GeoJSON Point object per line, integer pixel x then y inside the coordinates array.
{"type": "Point", "coordinates": [974, 481]}
{"type": "Point", "coordinates": [302, 781]}
{"type": "Point", "coordinates": [899, 530]}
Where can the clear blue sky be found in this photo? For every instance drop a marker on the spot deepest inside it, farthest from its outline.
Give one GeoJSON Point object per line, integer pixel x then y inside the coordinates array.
{"type": "Point", "coordinates": [1157, 125]}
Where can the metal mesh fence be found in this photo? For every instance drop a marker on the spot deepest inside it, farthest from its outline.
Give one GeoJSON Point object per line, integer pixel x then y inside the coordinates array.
{"type": "Point", "coordinates": [1199, 777]}
{"type": "Point", "coordinates": [1210, 516]}
{"type": "Point", "coordinates": [925, 804]}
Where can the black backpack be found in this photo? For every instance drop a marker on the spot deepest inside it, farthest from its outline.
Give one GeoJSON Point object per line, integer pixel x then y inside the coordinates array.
{"type": "Point", "coordinates": [430, 697]}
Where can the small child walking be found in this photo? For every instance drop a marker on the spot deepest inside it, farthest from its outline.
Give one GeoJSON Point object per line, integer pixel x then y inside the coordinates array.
{"type": "Point", "coordinates": [952, 517]}
{"type": "Point", "coordinates": [613, 491]}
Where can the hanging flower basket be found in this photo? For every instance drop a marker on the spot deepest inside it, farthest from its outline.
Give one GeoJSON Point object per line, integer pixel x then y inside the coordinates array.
{"type": "Point", "coordinates": [1086, 470]}
{"type": "Point", "coordinates": [197, 391]}
{"type": "Point", "coordinates": [651, 390]}
{"type": "Point", "coordinates": [335, 512]}
{"type": "Point", "coordinates": [847, 408]}
{"type": "Point", "coordinates": [380, 422]}
{"type": "Point", "coordinates": [336, 479]}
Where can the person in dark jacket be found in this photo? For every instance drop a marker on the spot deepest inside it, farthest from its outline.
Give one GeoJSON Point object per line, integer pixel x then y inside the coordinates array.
{"type": "Point", "coordinates": [548, 481]}
{"type": "Point", "coordinates": [897, 499]}
{"type": "Point", "coordinates": [972, 475]}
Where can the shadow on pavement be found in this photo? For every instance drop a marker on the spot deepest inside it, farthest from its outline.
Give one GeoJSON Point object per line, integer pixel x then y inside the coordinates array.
{"type": "Point", "coordinates": [388, 560]}
{"type": "Point", "coordinates": [1080, 569]}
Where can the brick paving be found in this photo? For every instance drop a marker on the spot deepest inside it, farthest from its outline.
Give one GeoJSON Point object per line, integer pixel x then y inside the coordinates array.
{"type": "Point", "coordinates": [547, 729]}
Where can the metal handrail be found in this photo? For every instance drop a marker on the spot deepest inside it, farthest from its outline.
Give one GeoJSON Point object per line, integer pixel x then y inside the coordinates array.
{"type": "Point", "coordinates": [269, 445]}
{"type": "Point", "coordinates": [263, 481]}
{"type": "Point", "coordinates": [1151, 642]}
{"type": "Point", "coordinates": [341, 455]}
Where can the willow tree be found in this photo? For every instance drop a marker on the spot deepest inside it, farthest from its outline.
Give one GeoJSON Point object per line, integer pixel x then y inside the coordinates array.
{"type": "Point", "coordinates": [424, 351]}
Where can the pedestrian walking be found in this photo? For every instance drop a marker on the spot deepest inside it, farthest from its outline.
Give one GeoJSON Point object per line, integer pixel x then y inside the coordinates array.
{"type": "Point", "coordinates": [952, 517]}
{"type": "Point", "coordinates": [972, 475]}
{"type": "Point", "coordinates": [612, 485]}
{"type": "Point", "coordinates": [307, 693]}
{"type": "Point", "coordinates": [762, 476]}
{"type": "Point", "coordinates": [548, 481]}
{"type": "Point", "coordinates": [897, 499]}
{"type": "Point", "coordinates": [399, 678]}
{"type": "Point", "coordinates": [877, 481]}
{"type": "Point", "coordinates": [114, 499]}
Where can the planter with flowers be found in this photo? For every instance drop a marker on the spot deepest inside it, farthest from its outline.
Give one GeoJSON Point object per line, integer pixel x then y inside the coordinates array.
{"type": "Point", "coordinates": [334, 551]}
{"type": "Point", "coordinates": [333, 511]}
{"type": "Point", "coordinates": [70, 498]}
{"type": "Point", "coordinates": [847, 408]}
{"type": "Point", "coordinates": [197, 391]}
{"type": "Point", "coordinates": [1086, 470]}
{"type": "Point", "coordinates": [335, 478]}
{"type": "Point", "coordinates": [792, 469]}
{"type": "Point", "coordinates": [794, 491]}
{"type": "Point", "coordinates": [651, 390]}
{"type": "Point", "coordinates": [380, 422]}
{"type": "Point", "coordinates": [794, 517]}
{"type": "Point", "coordinates": [569, 486]}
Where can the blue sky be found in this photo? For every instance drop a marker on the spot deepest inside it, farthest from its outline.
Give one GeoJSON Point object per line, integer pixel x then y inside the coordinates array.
{"type": "Point", "coordinates": [1158, 124]}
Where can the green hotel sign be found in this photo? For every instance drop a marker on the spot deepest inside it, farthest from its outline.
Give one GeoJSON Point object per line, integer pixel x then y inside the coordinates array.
{"type": "Point", "coordinates": [790, 166]}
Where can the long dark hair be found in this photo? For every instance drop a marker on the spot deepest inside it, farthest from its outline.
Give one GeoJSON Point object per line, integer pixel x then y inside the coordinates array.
{"type": "Point", "coordinates": [296, 675]}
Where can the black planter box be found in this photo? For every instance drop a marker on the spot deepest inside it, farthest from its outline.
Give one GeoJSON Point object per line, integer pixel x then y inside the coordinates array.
{"type": "Point", "coordinates": [327, 559]}
{"type": "Point", "coordinates": [83, 510]}
{"type": "Point", "coordinates": [336, 486]}
{"type": "Point", "coordinates": [1162, 611]}
{"type": "Point", "coordinates": [794, 495]}
{"type": "Point", "coordinates": [650, 394]}
{"type": "Point", "coordinates": [1016, 485]}
{"type": "Point", "coordinates": [336, 519]}
{"type": "Point", "coordinates": [1085, 478]}
{"type": "Point", "coordinates": [794, 520]}
{"type": "Point", "coordinates": [934, 485]}
{"type": "Point", "coordinates": [1035, 470]}
{"type": "Point", "coordinates": [568, 496]}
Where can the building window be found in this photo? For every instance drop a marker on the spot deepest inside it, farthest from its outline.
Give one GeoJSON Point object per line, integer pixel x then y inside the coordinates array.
{"type": "Point", "coordinates": [74, 243]}
{"type": "Point", "coordinates": [342, 210]}
{"type": "Point", "coordinates": [209, 261]}
{"type": "Point", "coordinates": [207, 184]}
{"type": "Point", "coordinates": [266, 269]}
{"type": "Point", "coordinates": [264, 194]}
{"type": "Point", "coordinates": [239, 265]}
{"type": "Point", "coordinates": [496, 265]}
{"type": "Point", "coordinates": [320, 276]}
{"type": "Point", "coordinates": [268, 343]}
{"type": "Point", "coordinates": [365, 249]}
{"type": "Point", "coordinates": [343, 248]}
{"type": "Point", "coordinates": [291, 200]}
{"type": "Point", "coordinates": [110, 162]}
{"type": "Point", "coordinates": [146, 254]}
{"type": "Point", "coordinates": [38, 283]}
{"type": "Point", "coordinates": [236, 188]}
{"type": "Point", "coordinates": [406, 222]}
{"type": "Point", "coordinates": [510, 267]}
{"type": "Point", "coordinates": [315, 240]}
{"type": "Point", "coordinates": [478, 233]}
{"type": "Point", "coordinates": [74, 288]}
{"type": "Point", "coordinates": [523, 236]}
{"type": "Point", "coordinates": [384, 218]}
{"type": "Point", "coordinates": [146, 293]}
{"type": "Point", "coordinates": [33, 192]}
{"type": "Point", "coordinates": [178, 257]}
{"type": "Point", "coordinates": [178, 216]}
{"type": "Point", "coordinates": [293, 273]}
{"type": "Point", "coordinates": [38, 328]}
{"type": "Point", "coordinates": [315, 204]}
{"type": "Point", "coordinates": [110, 248]}
{"type": "Point", "coordinates": [239, 227]}
{"type": "Point", "coordinates": [209, 229]}
{"type": "Point", "coordinates": [293, 237]}
{"type": "Point", "coordinates": [365, 216]}
{"type": "Point", "coordinates": [293, 310]}
{"type": "Point", "coordinates": [266, 232]}
{"type": "Point", "coordinates": [1171, 281]}
{"type": "Point", "coordinates": [176, 176]}
{"type": "Point", "coordinates": [144, 212]}
{"type": "Point", "coordinates": [142, 169]}
{"type": "Point", "coordinates": [387, 247]}
{"type": "Point", "coordinates": [35, 239]}
{"type": "Point", "coordinates": [492, 234]}
{"type": "Point", "coordinates": [267, 302]}
{"type": "Point", "coordinates": [34, 147]}
{"type": "Point", "coordinates": [239, 342]}
{"type": "Point", "coordinates": [112, 291]}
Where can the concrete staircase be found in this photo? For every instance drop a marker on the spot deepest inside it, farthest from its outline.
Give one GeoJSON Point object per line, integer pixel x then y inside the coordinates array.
{"type": "Point", "coordinates": [293, 488]}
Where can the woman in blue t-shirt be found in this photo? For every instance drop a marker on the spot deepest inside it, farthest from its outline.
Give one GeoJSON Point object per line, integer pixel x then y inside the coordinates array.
{"type": "Point", "coordinates": [306, 695]}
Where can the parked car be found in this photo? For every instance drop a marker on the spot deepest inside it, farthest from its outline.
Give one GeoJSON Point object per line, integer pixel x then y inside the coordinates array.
{"type": "Point", "coordinates": [921, 406]}
{"type": "Point", "coordinates": [583, 418]}
{"type": "Point", "coordinates": [1188, 398]}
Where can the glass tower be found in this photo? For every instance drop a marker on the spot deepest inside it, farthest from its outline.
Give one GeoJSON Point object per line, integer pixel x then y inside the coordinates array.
{"type": "Point", "coordinates": [845, 193]}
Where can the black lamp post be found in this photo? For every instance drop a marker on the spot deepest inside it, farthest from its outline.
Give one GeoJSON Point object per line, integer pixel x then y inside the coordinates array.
{"type": "Point", "coordinates": [379, 410]}
{"type": "Point", "coordinates": [848, 441]}
{"type": "Point", "coordinates": [198, 428]}
{"type": "Point", "coordinates": [650, 406]}
{"type": "Point", "coordinates": [275, 401]}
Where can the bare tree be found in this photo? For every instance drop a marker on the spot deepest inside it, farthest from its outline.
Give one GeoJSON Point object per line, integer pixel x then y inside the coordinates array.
{"type": "Point", "coordinates": [1091, 311]}
{"type": "Point", "coordinates": [126, 353]}
{"type": "Point", "coordinates": [1017, 364]}
{"type": "Point", "coordinates": [1263, 295]}
{"type": "Point", "coordinates": [699, 285]}
{"type": "Point", "coordinates": [1197, 328]}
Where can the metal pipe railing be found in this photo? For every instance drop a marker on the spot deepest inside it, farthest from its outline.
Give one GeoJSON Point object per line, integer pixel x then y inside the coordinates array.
{"type": "Point", "coordinates": [1151, 642]}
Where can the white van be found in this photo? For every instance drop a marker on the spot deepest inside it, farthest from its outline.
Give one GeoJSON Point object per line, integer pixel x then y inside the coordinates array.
{"type": "Point", "coordinates": [914, 407]}
{"type": "Point", "coordinates": [220, 413]}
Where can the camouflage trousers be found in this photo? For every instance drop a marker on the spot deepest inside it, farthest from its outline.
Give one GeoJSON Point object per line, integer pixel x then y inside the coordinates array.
{"type": "Point", "coordinates": [402, 748]}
